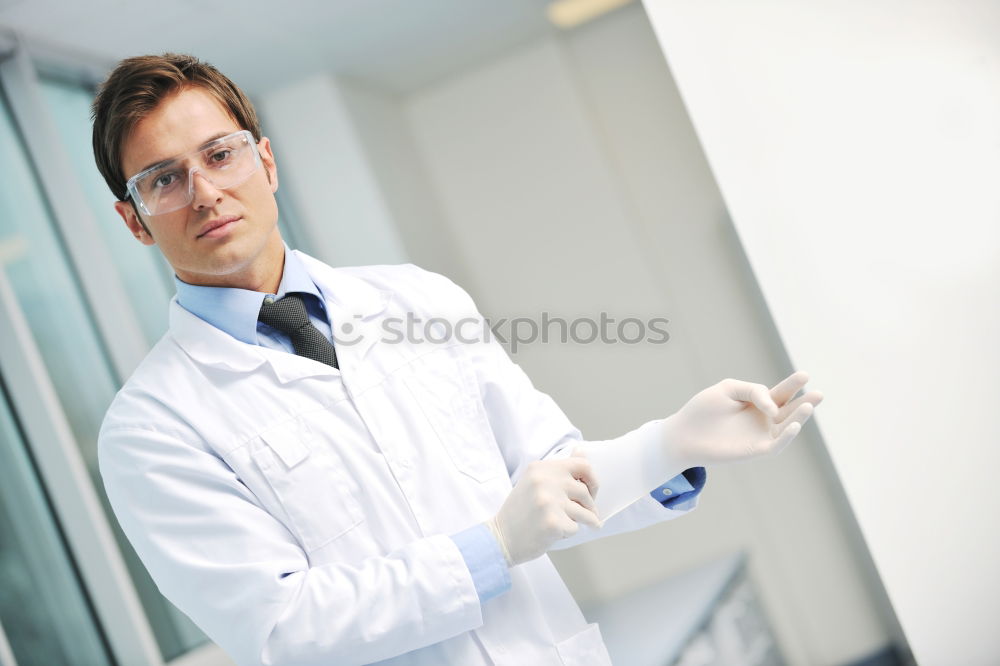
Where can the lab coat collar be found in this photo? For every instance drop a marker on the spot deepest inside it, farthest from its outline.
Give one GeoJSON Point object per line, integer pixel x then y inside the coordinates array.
{"type": "Point", "coordinates": [209, 345]}
{"type": "Point", "coordinates": [349, 300]}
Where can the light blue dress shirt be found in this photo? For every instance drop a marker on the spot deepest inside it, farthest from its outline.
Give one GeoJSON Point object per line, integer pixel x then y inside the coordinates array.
{"type": "Point", "coordinates": [235, 311]}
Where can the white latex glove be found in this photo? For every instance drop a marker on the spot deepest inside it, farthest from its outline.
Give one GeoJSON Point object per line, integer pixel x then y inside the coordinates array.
{"type": "Point", "coordinates": [736, 420]}
{"type": "Point", "coordinates": [546, 504]}
{"type": "Point", "coordinates": [728, 422]}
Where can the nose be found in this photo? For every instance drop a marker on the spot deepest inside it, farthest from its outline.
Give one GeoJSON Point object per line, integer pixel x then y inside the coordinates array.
{"type": "Point", "coordinates": [204, 194]}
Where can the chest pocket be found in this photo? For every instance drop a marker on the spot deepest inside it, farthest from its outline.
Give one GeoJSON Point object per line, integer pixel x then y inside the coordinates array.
{"type": "Point", "coordinates": [446, 392]}
{"type": "Point", "coordinates": [310, 484]}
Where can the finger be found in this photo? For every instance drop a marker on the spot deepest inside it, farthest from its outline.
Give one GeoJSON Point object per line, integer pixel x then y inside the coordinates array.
{"type": "Point", "coordinates": [757, 394]}
{"type": "Point", "coordinates": [580, 468]}
{"type": "Point", "coordinates": [789, 386]}
{"type": "Point", "coordinates": [800, 416]}
{"type": "Point", "coordinates": [812, 397]}
{"type": "Point", "coordinates": [578, 492]}
{"type": "Point", "coordinates": [583, 515]}
{"type": "Point", "coordinates": [785, 438]}
{"type": "Point", "coordinates": [568, 527]}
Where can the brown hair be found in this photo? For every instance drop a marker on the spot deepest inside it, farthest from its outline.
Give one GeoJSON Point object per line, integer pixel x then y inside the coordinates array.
{"type": "Point", "coordinates": [136, 86]}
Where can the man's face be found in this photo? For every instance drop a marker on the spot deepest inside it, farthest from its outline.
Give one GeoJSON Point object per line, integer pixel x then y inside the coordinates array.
{"type": "Point", "coordinates": [246, 250]}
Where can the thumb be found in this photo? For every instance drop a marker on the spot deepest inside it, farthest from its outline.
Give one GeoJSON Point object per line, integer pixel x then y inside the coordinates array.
{"type": "Point", "coordinates": [758, 394]}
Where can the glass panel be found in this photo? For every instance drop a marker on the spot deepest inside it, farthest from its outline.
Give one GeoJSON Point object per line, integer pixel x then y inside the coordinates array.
{"type": "Point", "coordinates": [48, 293]}
{"type": "Point", "coordinates": [43, 608]}
{"type": "Point", "coordinates": [146, 277]}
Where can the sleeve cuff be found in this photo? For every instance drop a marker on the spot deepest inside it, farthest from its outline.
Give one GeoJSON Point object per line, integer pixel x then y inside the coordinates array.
{"type": "Point", "coordinates": [485, 561]}
{"type": "Point", "coordinates": [682, 488]}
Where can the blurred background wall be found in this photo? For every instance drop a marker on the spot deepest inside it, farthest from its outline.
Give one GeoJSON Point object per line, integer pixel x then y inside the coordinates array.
{"type": "Point", "coordinates": [867, 132]}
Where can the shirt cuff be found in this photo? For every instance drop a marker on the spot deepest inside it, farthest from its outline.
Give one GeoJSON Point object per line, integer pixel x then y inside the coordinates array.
{"type": "Point", "coordinates": [485, 560]}
{"type": "Point", "coordinates": [681, 489]}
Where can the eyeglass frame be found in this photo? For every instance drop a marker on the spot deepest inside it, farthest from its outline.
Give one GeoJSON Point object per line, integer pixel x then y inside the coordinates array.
{"type": "Point", "coordinates": [131, 192]}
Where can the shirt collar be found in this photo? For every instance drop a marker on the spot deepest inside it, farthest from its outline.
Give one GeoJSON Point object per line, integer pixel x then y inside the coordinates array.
{"type": "Point", "coordinates": [235, 310]}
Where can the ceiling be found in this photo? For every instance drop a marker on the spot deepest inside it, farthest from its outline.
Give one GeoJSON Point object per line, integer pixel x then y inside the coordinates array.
{"type": "Point", "coordinates": [393, 45]}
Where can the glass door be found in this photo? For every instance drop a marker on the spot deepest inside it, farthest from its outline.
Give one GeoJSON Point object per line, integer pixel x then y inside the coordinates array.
{"type": "Point", "coordinates": [44, 610]}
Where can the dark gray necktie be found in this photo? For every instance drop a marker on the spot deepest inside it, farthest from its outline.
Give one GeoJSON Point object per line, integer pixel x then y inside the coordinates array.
{"type": "Point", "coordinates": [288, 315]}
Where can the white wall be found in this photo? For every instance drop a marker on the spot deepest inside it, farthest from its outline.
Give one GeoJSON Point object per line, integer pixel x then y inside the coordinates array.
{"type": "Point", "coordinates": [572, 182]}
{"type": "Point", "coordinates": [402, 179]}
{"type": "Point", "coordinates": [323, 164]}
{"type": "Point", "coordinates": [347, 158]}
{"type": "Point", "coordinates": [858, 150]}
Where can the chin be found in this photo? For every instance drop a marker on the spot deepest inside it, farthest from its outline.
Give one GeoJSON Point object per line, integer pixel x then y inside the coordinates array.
{"type": "Point", "coordinates": [241, 255]}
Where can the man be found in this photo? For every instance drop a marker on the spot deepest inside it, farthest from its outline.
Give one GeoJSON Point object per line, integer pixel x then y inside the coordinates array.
{"type": "Point", "coordinates": [311, 498]}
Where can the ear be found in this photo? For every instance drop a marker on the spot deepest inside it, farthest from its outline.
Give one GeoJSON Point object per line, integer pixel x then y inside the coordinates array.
{"type": "Point", "coordinates": [267, 158]}
{"type": "Point", "coordinates": [134, 224]}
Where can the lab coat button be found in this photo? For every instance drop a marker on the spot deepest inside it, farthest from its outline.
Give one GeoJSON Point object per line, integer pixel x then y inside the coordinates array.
{"type": "Point", "coordinates": [269, 300]}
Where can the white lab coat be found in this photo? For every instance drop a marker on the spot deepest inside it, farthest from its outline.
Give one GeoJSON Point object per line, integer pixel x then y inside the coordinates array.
{"type": "Point", "coordinates": [300, 515]}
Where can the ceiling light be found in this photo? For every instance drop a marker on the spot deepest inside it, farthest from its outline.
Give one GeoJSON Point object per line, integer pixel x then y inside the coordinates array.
{"type": "Point", "coordinates": [571, 13]}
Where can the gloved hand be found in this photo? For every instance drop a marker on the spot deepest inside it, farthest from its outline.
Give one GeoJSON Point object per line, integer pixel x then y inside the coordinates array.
{"type": "Point", "coordinates": [546, 504]}
{"type": "Point", "coordinates": [736, 420]}
{"type": "Point", "coordinates": [727, 422]}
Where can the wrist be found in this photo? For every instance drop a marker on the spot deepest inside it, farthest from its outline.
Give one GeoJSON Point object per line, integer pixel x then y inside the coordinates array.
{"type": "Point", "coordinates": [494, 526]}
{"type": "Point", "coordinates": [675, 446]}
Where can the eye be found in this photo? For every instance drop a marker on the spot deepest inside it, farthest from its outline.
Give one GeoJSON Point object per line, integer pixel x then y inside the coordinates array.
{"type": "Point", "coordinates": [164, 180]}
{"type": "Point", "coordinates": [221, 156]}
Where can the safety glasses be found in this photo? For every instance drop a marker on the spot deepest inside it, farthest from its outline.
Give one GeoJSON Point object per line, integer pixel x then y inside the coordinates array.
{"type": "Point", "coordinates": [168, 186]}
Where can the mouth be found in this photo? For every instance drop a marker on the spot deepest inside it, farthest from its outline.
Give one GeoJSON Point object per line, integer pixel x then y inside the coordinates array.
{"type": "Point", "coordinates": [218, 227]}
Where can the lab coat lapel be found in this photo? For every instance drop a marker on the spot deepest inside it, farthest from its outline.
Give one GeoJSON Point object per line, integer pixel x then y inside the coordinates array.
{"type": "Point", "coordinates": [215, 348]}
{"type": "Point", "coordinates": [211, 347]}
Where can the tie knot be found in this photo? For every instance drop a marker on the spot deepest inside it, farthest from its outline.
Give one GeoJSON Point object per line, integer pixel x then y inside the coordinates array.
{"type": "Point", "coordinates": [287, 314]}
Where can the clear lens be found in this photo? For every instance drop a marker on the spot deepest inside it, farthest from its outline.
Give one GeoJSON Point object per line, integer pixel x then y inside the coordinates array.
{"type": "Point", "coordinates": [225, 162]}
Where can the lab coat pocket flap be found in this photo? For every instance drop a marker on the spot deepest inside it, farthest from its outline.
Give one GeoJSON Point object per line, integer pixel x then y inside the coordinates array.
{"type": "Point", "coordinates": [289, 442]}
{"type": "Point", "coordinates": [310, 483]}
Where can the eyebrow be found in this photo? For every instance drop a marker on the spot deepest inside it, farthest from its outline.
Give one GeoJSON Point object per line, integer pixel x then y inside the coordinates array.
{"type": "Point", "coordinates": [214, 137]}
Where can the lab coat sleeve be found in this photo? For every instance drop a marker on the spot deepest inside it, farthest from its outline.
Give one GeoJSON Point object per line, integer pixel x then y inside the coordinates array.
{"type": "Point", "coordinates": [527, 423]}
{"type": "Point", "coordinates": [240, 575]}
